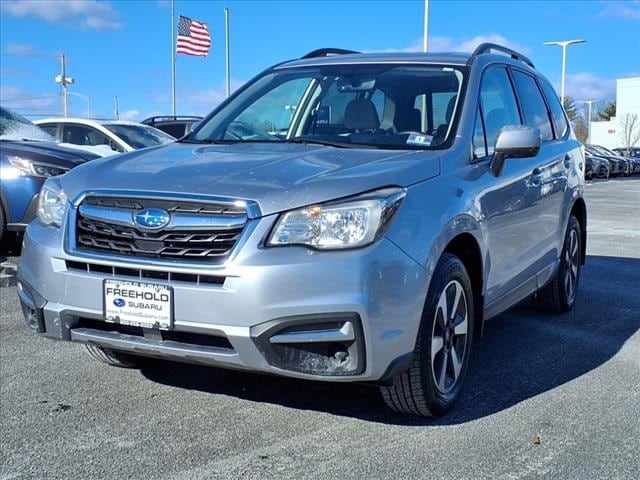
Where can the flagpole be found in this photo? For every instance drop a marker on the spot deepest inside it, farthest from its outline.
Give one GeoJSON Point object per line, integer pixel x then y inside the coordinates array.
{"type": "Point", "coordinates": [226, 34]}
{"type": "Point", "coordinates": [173, 59]}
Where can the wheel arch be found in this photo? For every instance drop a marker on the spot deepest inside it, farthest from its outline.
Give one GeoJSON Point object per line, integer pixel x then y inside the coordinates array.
{"type": "Point", "coordinates": [579, 210]}
{"type": "Point", "coordinates": [467, 249]}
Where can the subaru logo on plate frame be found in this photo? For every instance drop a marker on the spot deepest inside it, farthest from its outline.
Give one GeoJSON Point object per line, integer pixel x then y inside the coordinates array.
{"type": "Point", "coordinates": [152, 218]}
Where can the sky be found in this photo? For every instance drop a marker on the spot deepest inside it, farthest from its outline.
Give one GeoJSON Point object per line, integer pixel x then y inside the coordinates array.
{"type": "Point", "coordinates": [123, 48]}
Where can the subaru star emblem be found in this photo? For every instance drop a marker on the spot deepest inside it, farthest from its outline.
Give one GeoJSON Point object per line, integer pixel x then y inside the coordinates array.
{"type": "Point", "coordinates": [119, 302]}
{"type": "Point", "coordinates": [152, 218]}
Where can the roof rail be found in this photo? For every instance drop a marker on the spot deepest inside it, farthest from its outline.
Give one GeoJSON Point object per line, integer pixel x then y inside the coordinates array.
{"type": "Point", "coordinates": [487, 47]}
{"type": "Point", "coordinates": [325, 52]}
{"type": "Point", "coordinates": [170, 117]}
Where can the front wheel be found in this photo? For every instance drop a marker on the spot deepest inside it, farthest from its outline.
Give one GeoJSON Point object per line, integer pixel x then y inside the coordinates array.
{"type": "Point", "coordinates": [434, 380]}
{"type": "Point", "coordinates": [560, 293]}
{"type": "Point", "coordinates": [115, 358]}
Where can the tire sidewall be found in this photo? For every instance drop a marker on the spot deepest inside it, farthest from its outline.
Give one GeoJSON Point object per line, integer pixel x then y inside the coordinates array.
{"type": "Point", "coordinates": [573, 225]}
{"type": "Point", "coordinates": [449, 268]}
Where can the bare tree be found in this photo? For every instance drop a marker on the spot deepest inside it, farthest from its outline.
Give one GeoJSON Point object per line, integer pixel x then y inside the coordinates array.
{"type": "Point", "coordinates": [630, 125]}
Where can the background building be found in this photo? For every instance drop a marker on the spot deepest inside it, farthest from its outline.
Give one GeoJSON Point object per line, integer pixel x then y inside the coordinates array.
{"type": "Point", "coordinates": [611, 134]}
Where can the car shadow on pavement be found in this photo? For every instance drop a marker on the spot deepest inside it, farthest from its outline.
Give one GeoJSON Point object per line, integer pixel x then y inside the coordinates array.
{"type": "Point", "coordinates": [523, 354]}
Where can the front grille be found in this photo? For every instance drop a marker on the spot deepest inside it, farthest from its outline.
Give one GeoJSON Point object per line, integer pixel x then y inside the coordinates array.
{"type": "Point", "coordinates": [197, 231]}
{"type": "Point", "coordinates": [144, 275]}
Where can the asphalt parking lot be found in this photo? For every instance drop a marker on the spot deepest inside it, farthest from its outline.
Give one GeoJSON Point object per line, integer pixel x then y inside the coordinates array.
{"type": "Point", "coordinates": [546, 397]}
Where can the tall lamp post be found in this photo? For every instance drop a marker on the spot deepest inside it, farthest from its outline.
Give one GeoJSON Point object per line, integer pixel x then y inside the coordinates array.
{"type": "Point", "coordinates": [564, 44]}
{"type": "Point", "coordinates": [589, 102]}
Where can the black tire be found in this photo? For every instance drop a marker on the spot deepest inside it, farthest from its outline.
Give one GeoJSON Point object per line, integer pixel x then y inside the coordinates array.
{"type": "Point", "coordinates": [427, 389]}
{"type": "Point", "coordinates": [559, 295]}
{"type": "Point", "coordinates": [115, 358]}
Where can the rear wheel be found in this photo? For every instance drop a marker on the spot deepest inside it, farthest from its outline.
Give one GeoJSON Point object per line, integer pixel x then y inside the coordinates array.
{"type": "Point", "coordinates": [560, 293]}
{"type": "Point", "coordinates": [433, 383]}
{"type": "Point", "coordinates": [115, 358]}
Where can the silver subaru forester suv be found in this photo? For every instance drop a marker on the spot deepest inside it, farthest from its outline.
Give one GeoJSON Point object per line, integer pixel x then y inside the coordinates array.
{"type": "Point", "coordinates": [342, 217]}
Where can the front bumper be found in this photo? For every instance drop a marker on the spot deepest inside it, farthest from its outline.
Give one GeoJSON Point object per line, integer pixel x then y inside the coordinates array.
{"type": "Point", "coordinates": [339, 316]}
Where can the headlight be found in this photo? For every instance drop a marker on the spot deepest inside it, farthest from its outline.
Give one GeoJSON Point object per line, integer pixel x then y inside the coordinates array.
{"type": "Point", "coordinates": [352, 223]}
{"type": "Point", "coordinates": [52, 203]}
{"type": "Point", "coordinates": [35, 169]}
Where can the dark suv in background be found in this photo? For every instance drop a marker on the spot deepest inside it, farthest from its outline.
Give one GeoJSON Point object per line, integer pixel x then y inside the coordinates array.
{"type": "Point", "coordinates": [176, 126]}
{"type": "Point", "coordinates": [28, 156]}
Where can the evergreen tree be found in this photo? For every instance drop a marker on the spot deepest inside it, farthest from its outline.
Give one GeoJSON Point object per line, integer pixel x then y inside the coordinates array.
{"type": "Point", "coordinates": [608, 111]}
{"type": "Point", "coordinates": [570, 108]}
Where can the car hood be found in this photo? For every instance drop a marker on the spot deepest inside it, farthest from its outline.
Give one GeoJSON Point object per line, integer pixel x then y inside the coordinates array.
{"type": "Point", "coordinates": [276, 176]}
{"type": "Point", "coordinates": [49, 152]}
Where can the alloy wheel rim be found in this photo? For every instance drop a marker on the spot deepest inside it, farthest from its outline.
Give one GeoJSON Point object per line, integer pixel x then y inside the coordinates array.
{"type": "Point", "coordinates": [571, 265]}
{"type": "Point", "coordinates": [449, 337]}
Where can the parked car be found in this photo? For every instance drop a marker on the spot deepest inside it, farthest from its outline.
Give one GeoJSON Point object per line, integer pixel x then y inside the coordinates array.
{"type": "Point", "coordinates": [28, 156]}
{"type": "Point", "coordinates": [634, 164]}
{"type": "Point", "coordinates": [631, 162]}
{"type": "Point", "coordinates": [176, 126]}
{"type": "Point", "coordinates": [119, 135]}
{"type": "Point", "coordinates": [628, 151]}
{"type": "Point", "coordinates": [618, 165]}
{"type": "Point", "coordinates": [596, 166]}
{"type": "Point", "coordinates": [365, 239]}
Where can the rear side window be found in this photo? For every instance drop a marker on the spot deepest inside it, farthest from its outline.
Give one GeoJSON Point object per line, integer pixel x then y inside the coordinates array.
{"type": "Point", "coordinates": [499, 105]}
{"type": "Point", "coordinates": [173, 129]}
{"type": "Point", "coordinates": [559, 120]}
{"type": "Point", "coordinates": [533, 106]}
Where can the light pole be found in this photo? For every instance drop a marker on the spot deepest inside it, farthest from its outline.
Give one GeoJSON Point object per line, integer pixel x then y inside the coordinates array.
{"type": "Point", "coordinates": [63, 80]}
{"type": "Point", "coordinates": [87, 98]}
{"type": "Point", "coordinates": [589, 102]}
{"type": "Point", "coordinates": [564, 44]}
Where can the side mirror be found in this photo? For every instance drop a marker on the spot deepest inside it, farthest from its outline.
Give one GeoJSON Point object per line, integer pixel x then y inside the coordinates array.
{"type": "Point", "coordinates": [514, 141]}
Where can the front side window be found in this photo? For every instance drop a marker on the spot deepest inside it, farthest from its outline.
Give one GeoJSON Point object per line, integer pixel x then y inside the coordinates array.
{"type": "Point", "coordinates": [479, 143]}
{"type": "Point", "coordinates": [533, 106]}
{"type": "Point", "coordinates": [366, 105]}
{"type": "Point", "coordinates": [499, 107]}
{"type": "Point", "coordinates": [559, 119]}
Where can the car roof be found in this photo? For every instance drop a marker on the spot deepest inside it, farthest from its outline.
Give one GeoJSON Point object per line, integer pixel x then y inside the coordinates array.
{"type": "Point", "coordinates": [86, 121]}
{"type": "Point", "coordinates": [459, 59]}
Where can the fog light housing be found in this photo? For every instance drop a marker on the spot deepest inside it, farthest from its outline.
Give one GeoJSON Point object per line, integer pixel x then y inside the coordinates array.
{"type": "Point", "coordinates": [330, 344]}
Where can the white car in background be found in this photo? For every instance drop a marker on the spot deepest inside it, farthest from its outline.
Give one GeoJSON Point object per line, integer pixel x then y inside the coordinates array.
{"type": "Point", "coordinates": [119, 135]}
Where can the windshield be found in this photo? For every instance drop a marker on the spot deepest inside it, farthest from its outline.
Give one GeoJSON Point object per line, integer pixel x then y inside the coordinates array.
{"type": "Point", "coordinates": [606, 151]}
{"type": "Point", "coordinates": [16, 127]}
{"type": "Point", "coordinates": [377, 106]}
{"type": "Point", "coordinates": [139, 136]}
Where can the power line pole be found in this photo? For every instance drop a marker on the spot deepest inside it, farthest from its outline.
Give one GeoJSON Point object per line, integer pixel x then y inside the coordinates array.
{"type": "Point", "coordinates": [226, 35]}
{"type": "Point", "coordinates": [173, 60]}
{"type": "Point", "coordinates": [63, 80]}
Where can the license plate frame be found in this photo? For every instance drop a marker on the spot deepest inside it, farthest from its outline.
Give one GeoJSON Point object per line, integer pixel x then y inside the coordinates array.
{"type": "Point", "coordinates": [138, 304]}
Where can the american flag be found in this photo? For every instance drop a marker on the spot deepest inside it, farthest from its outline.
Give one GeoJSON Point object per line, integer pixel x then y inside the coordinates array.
{"type": "Point", "coordinates": [193, 37]}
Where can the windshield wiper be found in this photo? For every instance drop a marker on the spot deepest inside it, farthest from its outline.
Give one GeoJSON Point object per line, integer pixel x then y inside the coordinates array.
{"type": "Point", "coordinates": [206, 141]}
{"type": "Point", "coordinates": [328, 143]}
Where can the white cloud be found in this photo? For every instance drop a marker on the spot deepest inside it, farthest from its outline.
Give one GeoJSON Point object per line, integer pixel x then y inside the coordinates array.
{"type": "Point", "coordinates": [30, 103]}
{"type": "Point", "coordinates": [587, 86]}
{"type": "Point", "coordinates": [91, 13]}
{"type": "Point", "coordinates": [450, 44]}
{"type": "Point", "coordinates": [618, 9]}
{"type": "Point", "coordinates": [131, 115]}
{"type": "Point", "coordinates": [201, 102]}
{"type": "Point", "coordinates": [20, 49]}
